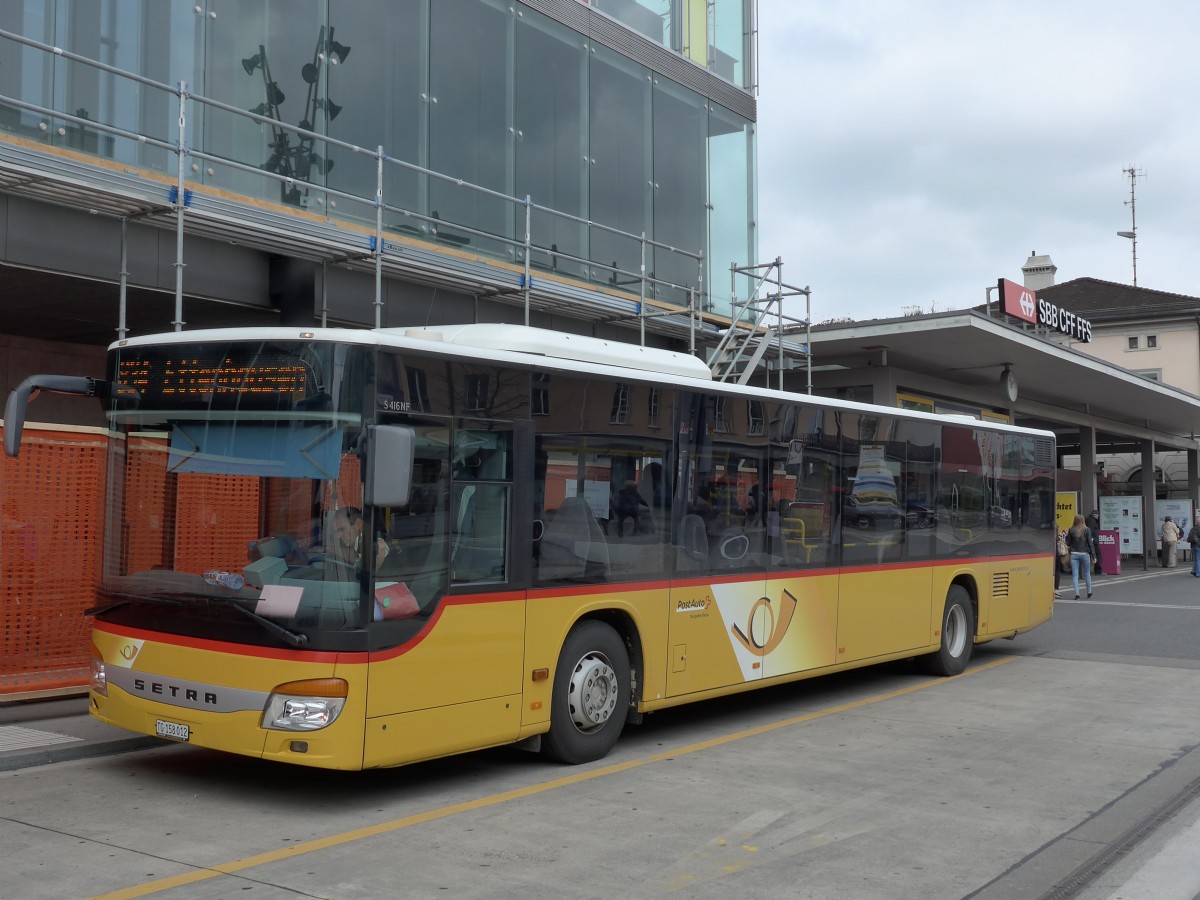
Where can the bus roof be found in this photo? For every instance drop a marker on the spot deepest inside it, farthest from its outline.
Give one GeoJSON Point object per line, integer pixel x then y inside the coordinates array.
{"type": "Point", "coordinates": [515, 344]}
{"type": "Point", "coordinates": [555, 344]}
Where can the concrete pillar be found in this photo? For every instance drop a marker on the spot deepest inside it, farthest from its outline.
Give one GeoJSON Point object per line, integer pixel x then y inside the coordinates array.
{"type": "Point", "coordinates": [1193, 460]}
{"type": "Point", "coordinates": [1149, 523]}
{"type": "Point", "coordinates": [1087, 470]}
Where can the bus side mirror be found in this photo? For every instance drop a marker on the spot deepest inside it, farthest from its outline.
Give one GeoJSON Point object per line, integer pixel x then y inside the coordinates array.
{"type": "Point", "coordinates": [19, 397]}
{"type": "Point", "coordinates": [390, 452]}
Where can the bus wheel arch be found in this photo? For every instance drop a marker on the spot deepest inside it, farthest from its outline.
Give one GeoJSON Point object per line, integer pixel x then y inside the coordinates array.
{"type": "Point", "coordinates": [591, 692]}
{"type": "Point", "coordinates": [957, 629]}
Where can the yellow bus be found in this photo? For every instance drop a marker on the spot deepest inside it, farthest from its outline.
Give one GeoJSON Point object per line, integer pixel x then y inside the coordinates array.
{"type": "Point", "coordinates": [353, 549]}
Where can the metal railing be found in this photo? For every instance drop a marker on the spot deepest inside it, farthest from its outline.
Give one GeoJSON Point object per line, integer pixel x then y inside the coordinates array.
{"type": "Point", "coordinates": [430, 226]}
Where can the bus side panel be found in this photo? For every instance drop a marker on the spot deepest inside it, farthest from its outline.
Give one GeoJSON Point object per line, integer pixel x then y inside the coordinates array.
{"type": "Point", "coordinates": [730, 633]}
{"type": "Point", "coordinates": [703, 651]}
{"type": "Point", "coordinates": [885, 610]}
{"type": "Point", "coordinates": [175, 680]}
{"type": "Point", "coordinates": [1008, 598]}
{"type": "Point", "coordinates": [1041, 590]}
{"type": "Point", "coordinates": [472, 652]}
{"type": "Point", "coordinates": [806, 638]}
{"type": "Point", "coordinates": [549, 621]}
{"type": "Point", "coordinates": [1021, 596]}
{"type": "Point", "coordinates": [430, 733]}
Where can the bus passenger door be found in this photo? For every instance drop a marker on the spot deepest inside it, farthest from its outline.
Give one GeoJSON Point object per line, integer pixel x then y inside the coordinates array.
{"type": "Point", "coordinates": [717, 611]}
{"type": "Point", "coordinates": [884, 601]}
{"type": "Point", "coordinates": [450, 678]}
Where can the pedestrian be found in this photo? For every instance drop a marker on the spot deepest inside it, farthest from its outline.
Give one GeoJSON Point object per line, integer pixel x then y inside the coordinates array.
{"type": "Point", "coordinates": [1079, 542]}
{"type": "Point", "coordinates": [1093, 524]}
{"type": "Point", "coordinates": [1193, 538]}
{"type": "Point", "coordinates": [1170, 540]}
{"type": "Point", "coordinates": [1062, 557]}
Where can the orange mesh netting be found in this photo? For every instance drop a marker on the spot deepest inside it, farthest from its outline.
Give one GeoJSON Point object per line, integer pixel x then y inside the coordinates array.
{"type": "Point", "coordinates": [216, 518]}
{"type": "Point", "coordinates": [52, 499]}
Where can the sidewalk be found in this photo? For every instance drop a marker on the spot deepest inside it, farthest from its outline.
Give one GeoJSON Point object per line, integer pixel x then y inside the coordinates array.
{"type": "Point", "coordinates": [34, 733]}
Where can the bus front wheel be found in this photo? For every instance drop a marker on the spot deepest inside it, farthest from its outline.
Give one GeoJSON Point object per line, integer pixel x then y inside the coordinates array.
{"type": "Point", "coordinates": [958, 635]}
{"type": "Point", "coordinates": [591, 695]}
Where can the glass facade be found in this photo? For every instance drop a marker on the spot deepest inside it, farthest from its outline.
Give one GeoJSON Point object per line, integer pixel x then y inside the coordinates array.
{"type": "Point", "coordinates": [489, 94]}
{"type": "Point", "coordinates": [712, 33]}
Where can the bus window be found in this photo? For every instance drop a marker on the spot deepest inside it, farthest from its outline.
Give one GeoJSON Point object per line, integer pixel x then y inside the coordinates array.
{"type": "Point", "coordinates": [482, 485]}
{"type": "Point", "coordinates": [803, 479]}
{"type": "Point", "coordinates": [723, 521]}
{"type": "Point", "coordinates": [417, 561]}
{"type": "Point", "coordinates": [604, 509]}
{"type": "Point", "coordinates": [574, 487]}
{"type": "Point", "coordinates": [922, 452]}
{"type": "Point", "coordinates": [872, 515]}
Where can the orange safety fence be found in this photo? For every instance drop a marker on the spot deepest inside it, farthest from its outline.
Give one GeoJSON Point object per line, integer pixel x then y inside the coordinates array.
{"type": "Point", "coordinates": [52, 500]}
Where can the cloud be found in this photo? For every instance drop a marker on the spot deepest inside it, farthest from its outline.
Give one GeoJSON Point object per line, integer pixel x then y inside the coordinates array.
{"type": "Point", "coordinates": [910, 154]}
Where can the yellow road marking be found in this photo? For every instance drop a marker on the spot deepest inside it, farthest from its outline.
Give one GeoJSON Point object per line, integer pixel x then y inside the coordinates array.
{"type": "Point", "coordinates": [432, 815]}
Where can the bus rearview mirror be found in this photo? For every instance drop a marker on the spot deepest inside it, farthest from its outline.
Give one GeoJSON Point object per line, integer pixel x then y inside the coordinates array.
{"type": "Point", "coordinates": [390, 451]}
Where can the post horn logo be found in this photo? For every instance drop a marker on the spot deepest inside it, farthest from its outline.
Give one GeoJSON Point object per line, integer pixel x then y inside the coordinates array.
{"type": "Point", "coordinates": [129, 651]}
{"type": "Point", "coordinates": [764, 629]}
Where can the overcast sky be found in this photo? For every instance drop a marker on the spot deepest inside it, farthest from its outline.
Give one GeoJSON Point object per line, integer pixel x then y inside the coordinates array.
{"type": "Point", "coordinates": [911, 153]}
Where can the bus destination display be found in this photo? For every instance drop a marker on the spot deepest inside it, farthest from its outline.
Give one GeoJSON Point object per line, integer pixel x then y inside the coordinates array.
{"type": "Point", "coordinates": [261, 379]}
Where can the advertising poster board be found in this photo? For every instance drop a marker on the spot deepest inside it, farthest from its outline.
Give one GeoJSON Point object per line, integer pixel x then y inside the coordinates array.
{"type": "Point", "coordinates": [1180, 512]}
{"type": "Point", "coordinates": [1123, 514]}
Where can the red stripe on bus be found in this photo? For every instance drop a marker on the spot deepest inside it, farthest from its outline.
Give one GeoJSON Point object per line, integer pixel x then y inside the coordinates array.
{"type": "Point", "coordinates": [176, 640]}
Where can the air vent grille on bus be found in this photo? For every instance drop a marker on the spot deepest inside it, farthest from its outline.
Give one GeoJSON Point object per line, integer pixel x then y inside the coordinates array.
{"type": "Point", "coordinates": [1043, 454]}
{"type": "Point", "coordinates": [1000, 584]}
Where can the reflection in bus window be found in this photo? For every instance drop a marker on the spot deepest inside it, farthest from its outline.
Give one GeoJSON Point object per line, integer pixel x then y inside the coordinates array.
{"type": "Point", "coordinates": [871, 503]}
{"type": "Point", "coordinates": [803, 479]}
{"type": "Point", "coordinates": [604, 509]}
{"type": "Point", "coordinates": [724, 516]}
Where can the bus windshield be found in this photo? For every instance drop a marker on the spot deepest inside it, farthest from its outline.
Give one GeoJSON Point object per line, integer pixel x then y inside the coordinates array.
{"type": "Point", "coordinates": [236, 491]}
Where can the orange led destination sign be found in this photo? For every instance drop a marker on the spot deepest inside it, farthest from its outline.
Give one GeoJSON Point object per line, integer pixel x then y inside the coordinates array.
{"type": "Point", "coordinates": [188, 378]}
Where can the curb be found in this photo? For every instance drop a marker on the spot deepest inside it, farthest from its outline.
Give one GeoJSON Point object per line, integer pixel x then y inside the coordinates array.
{"type": "Point", "coordinates": [68, 752]}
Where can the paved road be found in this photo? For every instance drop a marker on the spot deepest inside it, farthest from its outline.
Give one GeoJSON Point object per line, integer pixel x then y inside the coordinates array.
{"type": "Point", "coordinates": [1059, 766]}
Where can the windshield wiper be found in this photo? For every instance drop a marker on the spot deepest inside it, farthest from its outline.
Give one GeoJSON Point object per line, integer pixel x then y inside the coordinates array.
{"type": "Point", "coordinates": [125, 599]}
{"type": "Point", "coordinates": [293, 638]}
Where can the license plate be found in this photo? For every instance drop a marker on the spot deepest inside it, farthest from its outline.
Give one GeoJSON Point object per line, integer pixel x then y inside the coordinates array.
{"type": "Point", "coordinates": [172, 730]}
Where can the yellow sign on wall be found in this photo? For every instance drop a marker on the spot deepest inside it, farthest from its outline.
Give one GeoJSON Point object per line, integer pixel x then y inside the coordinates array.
{"type": "Point", "coordinates": [1066, 506]}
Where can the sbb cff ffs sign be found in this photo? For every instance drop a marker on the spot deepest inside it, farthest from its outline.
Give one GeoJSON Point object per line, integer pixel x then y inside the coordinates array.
{"type": "Point", "coordinates": [1022, 303]}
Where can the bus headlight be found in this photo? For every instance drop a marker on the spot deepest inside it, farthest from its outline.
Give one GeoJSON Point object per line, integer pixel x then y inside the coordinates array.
{"type": "Point", "coordinates": [99, 677]}
{"type": "Point", "coordinates": [305, 705]}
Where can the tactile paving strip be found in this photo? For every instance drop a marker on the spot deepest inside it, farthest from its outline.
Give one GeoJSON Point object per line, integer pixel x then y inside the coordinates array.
{"type": "Point", "coordinates": [14, 737]}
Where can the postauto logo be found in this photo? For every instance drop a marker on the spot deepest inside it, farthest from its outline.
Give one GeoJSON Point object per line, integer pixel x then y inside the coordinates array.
{"type": "Point", "coordinates": [764, 627]}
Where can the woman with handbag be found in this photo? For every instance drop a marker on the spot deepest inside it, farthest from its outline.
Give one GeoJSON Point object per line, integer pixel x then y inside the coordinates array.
{"type": "Point", "coordinates": [1079, 543]}
{"type": "Point", "coordinates": [1062, 560]}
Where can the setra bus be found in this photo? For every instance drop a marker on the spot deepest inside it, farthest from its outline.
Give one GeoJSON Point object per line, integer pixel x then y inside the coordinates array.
{"type": "Point", "coordinates": [353, 548]}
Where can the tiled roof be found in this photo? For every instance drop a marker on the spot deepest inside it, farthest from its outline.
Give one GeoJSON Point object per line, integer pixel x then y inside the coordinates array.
{"type": "Point", "coordinates": [1106, 301]}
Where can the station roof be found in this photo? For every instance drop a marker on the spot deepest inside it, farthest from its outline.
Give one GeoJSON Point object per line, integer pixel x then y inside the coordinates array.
{"type": "Point", "coordinates": [1060, 388]}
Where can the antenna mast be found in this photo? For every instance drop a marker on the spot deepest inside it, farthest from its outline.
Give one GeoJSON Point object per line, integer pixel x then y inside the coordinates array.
{"type": "Point", "coordinates": [1133, 174]}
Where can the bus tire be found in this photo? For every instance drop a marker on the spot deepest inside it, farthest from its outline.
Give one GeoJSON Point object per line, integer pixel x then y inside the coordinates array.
{"type": "Point", "coordinates": [958, 635]}
{"type": "Point", "coordinates": [591, 695]}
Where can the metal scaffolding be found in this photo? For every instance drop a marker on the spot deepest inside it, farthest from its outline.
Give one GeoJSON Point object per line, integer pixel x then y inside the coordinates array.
{"type": "Point", "coordinates": [760, 324]}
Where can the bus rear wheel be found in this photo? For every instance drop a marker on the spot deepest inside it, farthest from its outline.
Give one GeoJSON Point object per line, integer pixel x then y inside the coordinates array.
{"type": "Point", "coordinates": [591, 695]}
{"type": "Point", "coordinates": [958, 635]}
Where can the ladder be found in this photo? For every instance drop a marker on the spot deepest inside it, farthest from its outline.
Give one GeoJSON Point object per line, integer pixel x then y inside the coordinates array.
{"type": "Point", "coordinates": [758, 325]}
